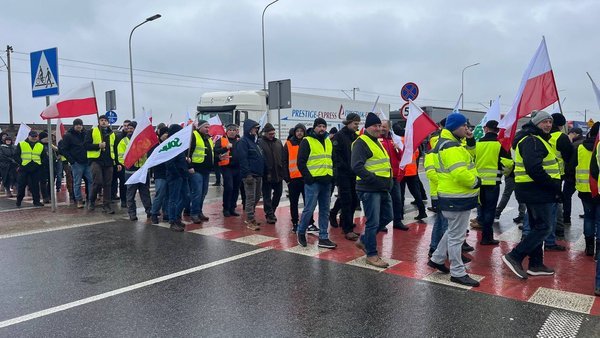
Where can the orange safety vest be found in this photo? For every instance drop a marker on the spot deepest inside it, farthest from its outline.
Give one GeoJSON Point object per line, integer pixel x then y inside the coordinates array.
{"type": "Point", "coordinates": [293, 160]}
{"type": "Point", "coordinates": [224, 143]}
{"type": "Point", "coordinates": [411, 169]}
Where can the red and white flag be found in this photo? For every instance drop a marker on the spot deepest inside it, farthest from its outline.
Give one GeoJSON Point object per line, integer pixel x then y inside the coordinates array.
{"type": "Point", "coordinates": [142, 140]}
{"type": "Point", "coordinates": [77, 102]}
{"type": "Point", "coordinates": [60, 130]}
{"type": "Point", "coordinates": [537, 91]}
{"type": "Point", "coordinates": [216, 127]}
{"type": "Point", "coordinates": [418, 126]}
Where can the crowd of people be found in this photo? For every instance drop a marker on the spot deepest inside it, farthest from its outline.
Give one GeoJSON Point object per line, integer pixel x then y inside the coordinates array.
{"type": "Point", "coordinates": [544, 167]}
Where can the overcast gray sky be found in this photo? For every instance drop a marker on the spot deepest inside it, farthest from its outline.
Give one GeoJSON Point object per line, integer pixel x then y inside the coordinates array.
{"type": "Point", "coordinates": [324, 46]}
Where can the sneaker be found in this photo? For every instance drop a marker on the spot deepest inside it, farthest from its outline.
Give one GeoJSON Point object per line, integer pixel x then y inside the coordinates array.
{"type": "Point", "coordinates": [376, 261]}
{"type": "Point", "coordinates": [302, 239]}
{"type": "Point", "coordinates": [18, 204]}
{"type": "Point", "coordinates": [518, 219]}
{"type": "Point", "coordinates": [294, 228]}
{"type": "Point", "coordinates": [154, 219]}
{"type": "Point", "coordinates": [177, 228]}
{"type": "Point", "coordinates": [226, 213]}
{"type": "Point", "coordinates": [196, 220]}
{"type": "Point", "coordinates": [400, 226]}
{"type": "Point", "coordinates": [540, 271]}
{"type": "Point", "coordinates": [107, 210]}
{"type": "Point", "coordinates": [351, 236]}
{"type": "Point", "coordinates": [421, 216]}
{"type": "Point", "coordinates": [465, 259]}
{"type": "Point", "coordinates": [465, 280]}
{"type": "Point", "coordinates": [327, 243]}
{"type": "Point", "coordinates": [554, 247]}
{"type": "Point", "coordinates": [252, 225]}
{"type": "Point", "coordinates": [38, 204]}
{"type": "Point", "coordinates": [133, 218]}
{"type": "Point", "coordinates": [203, 218]}
{"type": "Point", "coordinates": [79, 204]}
{"type": "Point", "coordinates": [383, 229]}
{"type": "Point", "coordinates": [91, 206]}
{"type": "Point", "coordinates": [440, 267]}
{"type": "Point", "coordinates": [312, 228]}
{"type": "Point", "coordinates": [233, 213]}
{"type": "Point", "coordinates": [514, 266]}
{"type": "Point", "coordinates": [271, 219]}
{"type": "Point", "coordinates": [123, 205]}
{"type": "Point", "coordinates": [333, 220]}
{"type": "Point", "coordinates": [466, 247]}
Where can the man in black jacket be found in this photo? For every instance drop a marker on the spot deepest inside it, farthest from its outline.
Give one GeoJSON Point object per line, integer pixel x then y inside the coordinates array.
{"type": "Point", "coordinates": [252, 168]}
{"type": "Point", "coordinates": [29, 155]}
{"type": "Point", "coordinates": [272, 186]}
{"type": "Point", "coordinates": [538, 185]}
{"type": "Point", "coordinates": [119, 175]}
{"type": "Point", "coordinates": [345, 178]}
{"type": "Point", "coordinates": [73, 149]}
{"type": "Point", "coordinates": [230, 168]}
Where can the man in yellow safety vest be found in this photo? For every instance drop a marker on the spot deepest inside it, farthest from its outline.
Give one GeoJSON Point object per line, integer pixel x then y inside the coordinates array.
{"type": "Point", "coordinates": [29, 154]}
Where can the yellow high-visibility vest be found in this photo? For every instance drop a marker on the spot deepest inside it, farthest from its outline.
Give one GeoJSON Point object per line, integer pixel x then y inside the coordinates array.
{"type": "Point", "coordinates": [96, 139]}
{"type": "Point", "coordinates": [29, 154]}
{"type": "Point", "coordinates": [199, 154]}
{"type": "Point", "coordinates": [319, 162]}
{"type": "Point", "coordinates": [582, 171]}
{"type": "Point", "coordinates": [549, 163]}
{"type": "Point", "coordinates": [379, 163]}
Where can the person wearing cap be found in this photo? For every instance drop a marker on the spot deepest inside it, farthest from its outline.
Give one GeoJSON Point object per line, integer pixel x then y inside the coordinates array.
{"type": "Point", "coordinates": [118, 179]}
{"type": "Point", "coordinates": [272, 183]}
{"type": "Point", "coordinates": [229, 164]}
{"type": "Point", "coordinates": [316, 165]}
{"type": "Point", "coordinates": [292, 174]}
{"type": "Point", "coordinates": [73, 149]}
{"type": "Point", "coordinates": [391, 144]}
{"type": "Point", "coordinates": [8, 165]}
{"type": "Point", "coordinates": [132, 189]}
{"type": "Point", "coordinates": [202, 154]}
{"type": "Point", "coordinates": [161, 188]}
{"type": "Point", "coordinates": [582, 166]}
{"type": "Point", "coordinates": [100, 145]}
{"type": "Point", "coordinates": [345, 178]}
{"type": "Point", "coordinates": [30, 155]}
{"type": "Point", "coordinates": [252, 168]}
{"type": "Point", "coordinates": [458, 189]}
{"type": "Point", "coordinates": [538, 185]}
{"type": "Point", "coordinates": [371, 163]}
{"type": "Point", "coordinates": [491, 161]}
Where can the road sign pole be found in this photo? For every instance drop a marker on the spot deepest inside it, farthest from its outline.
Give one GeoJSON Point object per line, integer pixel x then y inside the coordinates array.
{"type": "Point", "coordinates": [51, 161]}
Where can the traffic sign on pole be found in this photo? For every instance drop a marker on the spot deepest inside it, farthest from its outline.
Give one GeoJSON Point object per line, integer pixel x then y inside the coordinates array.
{"type": "Point", "coordinates": [44, 72]}
{"type": "Point", "coordinates": [409, 91]}
{"type": "Point", "coordinates": [112, 117]}
{"type": "Point", "coordinates": [404, 111]}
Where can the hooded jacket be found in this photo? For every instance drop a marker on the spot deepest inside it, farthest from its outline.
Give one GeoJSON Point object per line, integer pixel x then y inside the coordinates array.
{"type": "Point", "coordinates": [7, 156]}
{"type": "Point", "coordinates": [177, 167]}
{"type": "Point", "coordinates": [72, 146]}
{"type": "Point", "coordinates": [342, 152]}
{"type": "Point", "coordinates": [304, 152]}
{"type": "Point", "coordinates": [273, 152]}
{"type": "Point", "coordinates": [251, 159]}
{"type": "Point", "coordinates": [286, 155]}
{"type": "Point", "coordinates": [543, 189]}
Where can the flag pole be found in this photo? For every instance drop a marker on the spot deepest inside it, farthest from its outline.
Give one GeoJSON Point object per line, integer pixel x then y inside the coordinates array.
{"type": "Point", "coordinates": [51, 162]}
{"type": "Point", "coordinates": [96, 102]}
{"type": "Point", "coordinates": [554, 83]}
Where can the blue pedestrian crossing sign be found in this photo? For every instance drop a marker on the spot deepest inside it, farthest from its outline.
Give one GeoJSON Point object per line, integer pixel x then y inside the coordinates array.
{"type": "Point", "coordinates": [112, 117]}
{"type": "Point", "coordinates": [44, 72]}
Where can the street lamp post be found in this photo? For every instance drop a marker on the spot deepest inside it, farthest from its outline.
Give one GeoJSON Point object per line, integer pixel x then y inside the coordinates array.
{"type": "Point", "coordinates": [462, 85]}
{"type": "Point", "coordinates": [152, 18]}
{"type": "Point", "coordinates": [263, 45]}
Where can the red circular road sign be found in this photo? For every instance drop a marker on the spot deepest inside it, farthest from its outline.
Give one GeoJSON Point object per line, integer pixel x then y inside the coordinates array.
{"type": "Point", "coordinates": [409, 91]}
{"type": "Point", "coordinates": [404, 111]}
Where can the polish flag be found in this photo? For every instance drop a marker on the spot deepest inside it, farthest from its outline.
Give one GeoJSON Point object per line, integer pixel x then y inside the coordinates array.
{"type": "Point", "coordinates": [77, 102]}
{"type": "Point", "coordinates": [60, 130]}
{"type": "Point", "coordinates": [216, 127]}
{"type": "Point", "coordinates": [142, 140]}
{"type": "Point", "coordinates": [418, 126]}
{"type": "Point", "coordinates": [537, 91]}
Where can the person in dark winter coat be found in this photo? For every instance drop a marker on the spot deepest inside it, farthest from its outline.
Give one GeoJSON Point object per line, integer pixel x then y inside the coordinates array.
{"type": "Point", "coordinates": [177, 179]}
{"type": "Point", "coordinates": [161, 188]}
{"type": "Point", "coordinates": [252, 168]}
{"type": "Point", "coordinates": [100, 144]}
{"type": "Point", "coordinates": [272, 185]}
{"type": "Point", "coordinates": [29, 155]}
{"type": "Point", "coordinates": [72, 147]}
{"type": "Point", "coordinates": [45, 168]}
{"type": "Point", "coordinates": [228, 161]}
{"type": "Point", "coordinates": [8, 165]}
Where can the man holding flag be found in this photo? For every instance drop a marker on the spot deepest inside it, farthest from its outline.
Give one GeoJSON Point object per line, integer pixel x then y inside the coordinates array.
{"type": "Point", "coordinates": [100, 145]}
{"type": "Point", "coordinates": [72, 147]}
{"type": "Point", "coordinates": [142, 188]}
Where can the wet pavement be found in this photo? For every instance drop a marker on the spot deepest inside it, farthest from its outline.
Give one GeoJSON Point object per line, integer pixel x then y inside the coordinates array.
{"type": "Point", "coordinates": [75, 273]}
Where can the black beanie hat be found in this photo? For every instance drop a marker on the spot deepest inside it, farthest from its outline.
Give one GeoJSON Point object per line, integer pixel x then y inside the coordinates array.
{"type": "Point", "coordinates": [318, 121]}
{"type": "Point", "coordinates": [77, 122]}
{"type": "Point", "coordinates": [558, 119]}
{"type": "Point", "coordinates": [268, 127]}
{"type": "Point", "coordinates": [371, 120]}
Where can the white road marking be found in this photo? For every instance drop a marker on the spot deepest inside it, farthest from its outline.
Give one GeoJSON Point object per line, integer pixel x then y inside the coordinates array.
{"type": "Point", "coordinates": [561, 324]}
{"type": "Point", "coordinates": [105, 295]}
{"type": "Point", "coordinates": [33, 232]}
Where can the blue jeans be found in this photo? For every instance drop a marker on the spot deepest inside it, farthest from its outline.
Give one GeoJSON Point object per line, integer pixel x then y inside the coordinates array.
{"type": "Point", "coordinates": [161, 197]}
{"type": "Point", "coordinates": [80, 171]}
{"type": "Point", "coordinates": [439, 227]}
{"type": "Point", "coordinates": [397, 202]}
{"type": "Point", "coordinates": [551, 239]}
{"type": "Point", "coordinates": [178, 197]}
{"type": "Point", "coordinates": [541, 218]}
{"type": "Point", "coordinates": [591, 219]}
{"type": "Point", "coordinates": [199, 189]}
{"type": "Point", "coordinates": [378, 213]}
{"type": "Point", "coordinates": [316, 192]}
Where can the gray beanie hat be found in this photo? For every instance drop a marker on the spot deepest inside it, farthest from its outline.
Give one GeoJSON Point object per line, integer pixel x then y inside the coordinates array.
{"type": "Point", "coordinates": [538, 116]}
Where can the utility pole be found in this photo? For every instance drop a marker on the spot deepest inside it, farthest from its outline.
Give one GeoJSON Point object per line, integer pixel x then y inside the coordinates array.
{"type": "Point", "coordinates": [354, 93]}
{"type": "Point", "coordinates": [9, 50]}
